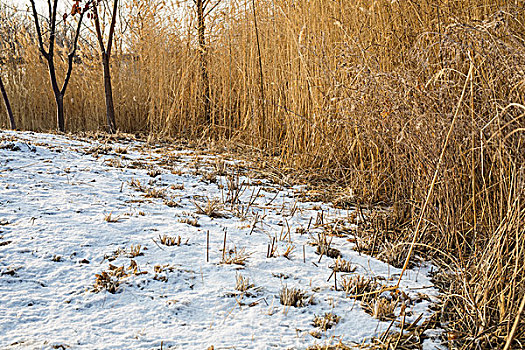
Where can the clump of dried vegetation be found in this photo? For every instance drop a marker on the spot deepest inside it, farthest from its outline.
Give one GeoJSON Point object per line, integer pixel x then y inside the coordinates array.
{"type": "Point", "coordinates": [172, 241]}
{"type": "Point", "coordinates": [342, 265]}
{"type": "Point", "coordinates": [235, 256]}
{"type": "Point", "coordinates": [111, 219]}
{"type": "Point", "coordinates": [327, 321]}
{"type": "Point", "coordinates": [381, 308]}
{"type": "Point", "coordinates": [211, 209]}
{"type": "Point", "coordinates": [294, 297]}
{"type": "Point", "coordinates": [324, 246]}
{"type": "Point", "coordinates": [360, 287]}
{"type": "Point", "coordinates": [111, 279]}
{"type": "Point", "coordinates": [370, 104]}
{"type": "Point", "coordinates": [190, 221]}
{"type": "Point", "coordinates": [242, 283]}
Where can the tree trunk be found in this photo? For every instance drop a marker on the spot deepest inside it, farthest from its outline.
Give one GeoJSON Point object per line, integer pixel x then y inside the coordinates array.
{"type": "Point", "coordinates": [59, 98]}
{"type": "Point", "coordinates": [7, 105]}
{"type": "Point", "coordinates": [204, 62]}
{"type": "Point", "coordinates": [110, 109]}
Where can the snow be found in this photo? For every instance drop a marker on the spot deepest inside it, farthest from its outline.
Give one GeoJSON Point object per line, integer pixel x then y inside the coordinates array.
{"type": "Point", "coordinates": [56, 193]}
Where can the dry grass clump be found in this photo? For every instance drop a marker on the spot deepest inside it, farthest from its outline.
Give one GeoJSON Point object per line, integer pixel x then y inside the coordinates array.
{"type": "Point", "coordinates": [288, 251]}
{"type": "Point", "coordinates": [294, 297]}
{"type": "Point", "coordinates": [234, 256]}
{"type": "Point", "coordinates": [149, 192]}
{"type": "Point", "coordinates": [190, 221]}
{"type": "Point", "coordinates": [154, 172]}
{"type": "Point", "coordinates": [115, 254]}
{"type": "Point", "coordinates": [396, 340]}
{"type": "Point", "coordinates": [98, 150]}
{"type": "Point", "coordinates": [342, 265]}
{"type": "Point", "coordinates": [179, 187]}
{"type": "Point", "coordinates": [409, 337]}
{"type": "Point", "coordinates": [9, 146]}
{"type": "Point", "coordinates": [211, 209]}
{"type": "Point", "coordinates": [136, 184]}
{"type": "Point", "coordinates": [111, 219]}
{"type": "Point", "coordinates": [111, 279]}
{"type": "Point", "coordinates": [338, 346]}
{"type": "Point", "coordinates": [161, 271]}
{"type": "Point", "coordinates": [172, 241]}
{"type": "Point", "coordinates": [324, 246]}
{"type": "Point", "coordinates": [135, 250]}
{"type": "Point", "coordinates": [381, 308]}
{"type": "Point", "coordinates": [327, 321]}
{"type": "Point", "coordinates": [496, 290]}
{"type": "Point", "coordinates": [242, 283]}
{"type": "Point", "coordinates": [155, 193]}
{"type": "Point", "coordinates": [359, 286]}
{"type": "Point", "coordinates": [172, 203]}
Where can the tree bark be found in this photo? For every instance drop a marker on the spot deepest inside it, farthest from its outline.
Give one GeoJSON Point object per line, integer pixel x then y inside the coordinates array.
{"type": "Point", "coordinates": [7, 105]}
{"type": "Point", "coordinates": [110, 109]}
{"type": "Point", "coordinates": [59, 98]}
{"type": "Point", "coordinates": [204, 61]}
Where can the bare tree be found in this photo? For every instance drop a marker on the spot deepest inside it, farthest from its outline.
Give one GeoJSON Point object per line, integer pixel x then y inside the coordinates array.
{"type": "Point", "coordinates": [204, 8]}
{"type": "Point", "coordinates": [49, 54]}
{"type": "Point", "coordinates": [105, 50]}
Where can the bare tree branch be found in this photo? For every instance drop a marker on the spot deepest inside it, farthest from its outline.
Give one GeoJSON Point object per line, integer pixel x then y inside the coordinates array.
{"type": "Point", "coordinates": [112, 26]}
{"type": "Point", "coordinates": [71, 55]}
{"type": "Point", "coordinates": [39, 31]}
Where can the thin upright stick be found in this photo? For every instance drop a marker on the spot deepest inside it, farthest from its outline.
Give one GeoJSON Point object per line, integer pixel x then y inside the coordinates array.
{"type": "Point", "coordinates": [224, 246]}
{"type": "Point", "coordinates": [434, 179]}
{"type": "Point", "coordinates": [510, 337]}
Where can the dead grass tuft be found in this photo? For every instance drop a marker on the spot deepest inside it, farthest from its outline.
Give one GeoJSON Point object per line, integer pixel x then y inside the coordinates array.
{"type": "Point", "coordinates": [234, 256]}
{"type": "Point", "coordinates": [155, 193]}
{"type": "Point", "coordinates": [294, 297]}
{"type": "Point", "coordinates": [342, 265]}
{"type": "Point", "coordinates": [323, 245]}
{"type": "Point", "coordinates": [359, 286]}
{"type": "Point", "coordinates": [381, 308]}
{"type": "Point", "coordinates": [190, 221]}
{"type": "Point", "coordinates": [111, 219]}
{"type": "Point", "coordinates": [327, 321]}
{"type": "Point", "coordinates": [242, 283]}
{"type": "Point", "coordinates": [172, 241]}
{"type": "Point", "coordinates": [111, 279]}
{"type": "Point", "coordinates": [339, 346]}
{"type": "Point", "coordinates": [212, 209]}
{"type": "Point", "coordinates": [288, 252]}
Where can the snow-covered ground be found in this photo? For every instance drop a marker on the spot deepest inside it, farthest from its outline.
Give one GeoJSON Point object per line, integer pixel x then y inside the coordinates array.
{"type": "Point", "coordinates": [71, 210]}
